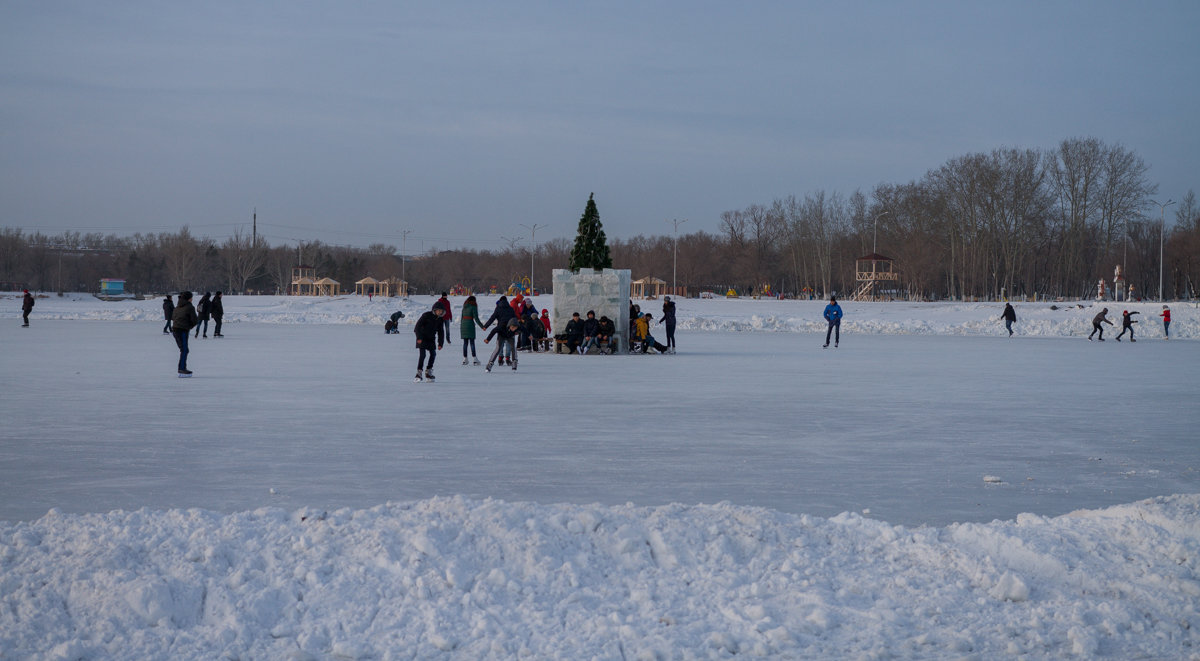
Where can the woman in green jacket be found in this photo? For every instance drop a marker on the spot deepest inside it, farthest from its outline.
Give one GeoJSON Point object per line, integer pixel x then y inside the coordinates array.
{"type": "Point", "coordinates": [468, 319]}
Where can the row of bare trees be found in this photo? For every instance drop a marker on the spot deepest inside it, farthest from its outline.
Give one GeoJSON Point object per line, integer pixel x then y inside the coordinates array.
{"type": "Point", "coordinates": [1012, 222]}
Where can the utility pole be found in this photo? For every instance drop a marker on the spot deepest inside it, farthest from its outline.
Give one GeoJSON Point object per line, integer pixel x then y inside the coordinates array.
{"type": "Point", "coordinates": [675, 260]}
{"type": "Point", "coordinates": [1162, 228]}
{"type": "Point", "coordinates": [532, 251]}
{"type": "Point", "coordinates": [403, 249]}
{"type": "Point", "coordinates": [254, 230]}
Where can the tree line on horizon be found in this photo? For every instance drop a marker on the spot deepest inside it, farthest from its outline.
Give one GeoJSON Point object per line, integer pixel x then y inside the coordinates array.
{"type": "Point", "coordinates": [1010, 223]}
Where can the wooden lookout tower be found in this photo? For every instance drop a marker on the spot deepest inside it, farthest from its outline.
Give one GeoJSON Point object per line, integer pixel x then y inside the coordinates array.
{"type": "Point", "coordinates": [872, 272]}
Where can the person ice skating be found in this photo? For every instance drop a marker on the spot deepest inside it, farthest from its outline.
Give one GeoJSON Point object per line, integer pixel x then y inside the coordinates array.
{"type": "Point", "coordinates": [468, 320]}
{"type": "Point", "coordinates": [168, 310]}
{"type": "Point", "coordinates": [1009, 317]}
{"type": "Point", "coordinates": [444, 303]}
{"type": "Point", "coordinates": [833, 315]}
{"type": "Point", "coordinates": [26, 308]}
{"type": "Point", "coordinates": [505, 335]}
{"type": "Point", "coordinates": [1166, 316]}
{"type": "Point", "coordinates": [202, 312]}
{"type": "Point", "coordinates": [216, 308]}
{"type": "Point", "coordinates": [183, 320]}
{"type": "Point", "coordinates": [1127, 322]}
{"type": "Point", "coordinates": [428, 329]}
{"type": "Point", "coordinates": [669, 319]}
{"type": "Point", "coordinates": [500, 316]}
{"type": "Point", "coordinates": [1096, 321]}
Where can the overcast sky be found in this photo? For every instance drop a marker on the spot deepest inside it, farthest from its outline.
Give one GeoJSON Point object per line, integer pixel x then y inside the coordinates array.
{"type": "Point", "coordinates": [351, 122]}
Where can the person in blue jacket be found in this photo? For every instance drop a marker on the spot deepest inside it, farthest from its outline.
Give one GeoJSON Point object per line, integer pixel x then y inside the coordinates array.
{"type": "Point", "coordinates": [833, 315]}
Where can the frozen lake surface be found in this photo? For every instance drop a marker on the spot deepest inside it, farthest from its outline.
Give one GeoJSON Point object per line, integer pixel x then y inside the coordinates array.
{"type": "Point", "coordinates": [929, 489]}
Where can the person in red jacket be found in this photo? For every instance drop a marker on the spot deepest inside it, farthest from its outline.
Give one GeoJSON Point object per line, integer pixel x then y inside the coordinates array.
{"type": "Point", "coordinates": [1166, 315]}
{"type": "Point", "coordinates": [546, 322]}
{"type": "Point", "coordinates": [444, 304]}
{"type": "Point", "coordinates": [518, 305]}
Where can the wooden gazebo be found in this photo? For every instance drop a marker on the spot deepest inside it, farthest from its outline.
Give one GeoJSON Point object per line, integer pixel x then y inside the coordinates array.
{"type": "Point", "coordinates": [393, 287]}
{"type": "Point", "coordinates": [647, 287]}
{"type": "Point", "coordinates": [367, 285]}
{"type": "Point", "coordinates": [873, 272]}
{"type": "Point", "coordinates": [328, 287]}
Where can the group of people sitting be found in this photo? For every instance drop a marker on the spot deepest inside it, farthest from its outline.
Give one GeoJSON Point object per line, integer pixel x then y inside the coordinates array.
{"type": "Point", "coordinates": [583, 335]}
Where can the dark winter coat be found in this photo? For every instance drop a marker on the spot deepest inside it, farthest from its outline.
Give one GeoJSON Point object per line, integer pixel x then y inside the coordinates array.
{"type": "Point", "coordinates": [501, 314]}
{"type": "Point", "coordinates": [668, 313]}
{"type": "Point", "coordinates": [216, 308]}
{"type": "Point", "coordinates": [1127, 320]}
{"type": "Point", "coordinates": [428, 328]}
{"type": "Point", "coordinates": [591, 327]}
{"type": "Point", "coordinates": [1100, 318]}
{"type": "Point", "coordinates": [168, 308]}
{"type": "Point", "coordinates": [27, 303]}
{"type": "Point", "coordinates": [184, 317]}
{"type": "Point", "coordinates": [505, 332]}
{"type": "Point", "coordinates": [396, 317]}
{"type": "Point", "coordinates": [606, 327]}
{"type": "Point", "coordinates": [468, 320]}
{"type": "Point", "coordinates": [203, 307]}
{"type": "Point", "coordinates": [1009, 313]}
{"type": "Point", "coordinates": [574, 329]}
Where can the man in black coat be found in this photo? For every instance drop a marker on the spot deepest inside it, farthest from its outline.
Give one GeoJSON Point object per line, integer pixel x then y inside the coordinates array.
{"type": "Point", "coordinates": [501, 316]}
{"type": "Point", "coordinates": [428, 329]}
{"type": "Point", "coordinates": [203, 307]}
{"type": "Point", "coordinates": [26, 307]}
{"type": "Point", "coordinates": [168, 310]}
{"type": "Point", "coordinates": [217, 310]}
{"type": "Point", "coordinates": [183, 319]}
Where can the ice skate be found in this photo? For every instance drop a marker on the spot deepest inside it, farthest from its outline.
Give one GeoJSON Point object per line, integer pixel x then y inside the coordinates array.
{"type": "Point", "coordinates": [475, 362]}
{"type": "Point", "coordinates": [185, 373]}
{"type": "Point", "coordinates": [429, 375]}
{"type": "Point", "coordinates": [488, 368]}
{"type": "Point", "coordinates": [514, 367]}
{"type": "Point", "coordinates": [418, 378]}
{"type": "Point", "coordinates": [464, 361]}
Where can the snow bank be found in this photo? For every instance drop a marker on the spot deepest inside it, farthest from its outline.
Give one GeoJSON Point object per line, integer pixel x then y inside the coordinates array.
{"type": "Point", "coordinates": [1073, 319]}
{"type": "Point", "coordinates": [466, 579]}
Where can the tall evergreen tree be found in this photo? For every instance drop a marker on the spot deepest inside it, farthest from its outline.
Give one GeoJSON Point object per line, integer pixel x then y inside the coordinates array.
{"type": "Point", "coordinates": [591, 246]}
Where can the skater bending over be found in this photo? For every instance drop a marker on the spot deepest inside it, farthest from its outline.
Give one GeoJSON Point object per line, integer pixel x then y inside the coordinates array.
{"type": "Point", "coordinates": [1127, 322]}
{"type": "Point", "coordinates": [833, 315]}
{"type": "Point", "coordinates": [507, 337]}
{"type": "Point", "coordinates": [428, 329]}
{"type": "Point", "coordinates": [1096, 327]}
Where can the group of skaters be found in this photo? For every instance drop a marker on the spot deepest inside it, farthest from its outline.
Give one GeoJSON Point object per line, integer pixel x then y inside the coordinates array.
{"type": "Point", "coordinates": [1127, 322]}
{"type": "Point", "coordinates": [182, 317]}
{"type": "Point", "coordinates": [516, 326]}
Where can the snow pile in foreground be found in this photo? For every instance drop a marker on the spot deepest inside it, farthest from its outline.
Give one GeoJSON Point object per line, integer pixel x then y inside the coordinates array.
{"type": "Point", "coordinates": [467, 579]}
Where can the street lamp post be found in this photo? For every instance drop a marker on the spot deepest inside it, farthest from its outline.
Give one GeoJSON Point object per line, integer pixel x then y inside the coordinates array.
{"type": "Point", "coordinates": [875, 238]}
{"type": "Point", "coordinates": [403, 248]}
{"type": "Point", "coordinates": [532, 251]}
{"type": "Point", "coordinates": [675, 259]}
{"type": "Point", "coordinates": [1162, 228]}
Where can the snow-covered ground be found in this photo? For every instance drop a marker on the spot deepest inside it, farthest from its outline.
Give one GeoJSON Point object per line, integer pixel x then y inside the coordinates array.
{"type": "Point", "coordinates": [930, 489]}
